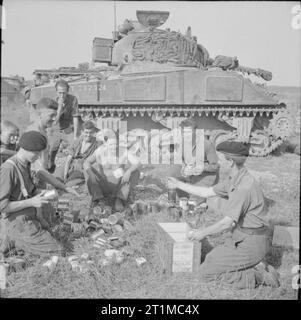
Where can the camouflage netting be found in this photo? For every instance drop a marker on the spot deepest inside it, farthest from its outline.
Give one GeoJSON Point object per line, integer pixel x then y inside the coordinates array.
{"type": "Point", "coordinates": [164, 46]}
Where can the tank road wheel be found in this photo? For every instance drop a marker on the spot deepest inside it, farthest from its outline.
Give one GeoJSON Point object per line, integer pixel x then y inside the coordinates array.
{"type": "Point", "coordinates": [260, 144]}
{"type": "Point", "coordinates": [282, 125]}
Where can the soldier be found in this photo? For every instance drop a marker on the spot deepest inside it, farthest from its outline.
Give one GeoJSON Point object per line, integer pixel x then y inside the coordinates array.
{"type": "Point", "coordinates": [79, 151]}
{"type": "Point", "coordinates": [45, 115]}
{"type": "Point", "coordinates": [208, 174]}
{"type": "Point", "coordinates": [67, 120]}
{"type": "Point", "coordinates": [112, 180]}
{"type": "Point", "coordinates": [239, 261]}
{"type": "Point", "coordinates": [19, 202]}
{"type": "Point", "coordinates": [37, 80]}
{"type": "Point", "coordinates": [9, 138]}
{"type": "Point", "coordinates": [28, 104]}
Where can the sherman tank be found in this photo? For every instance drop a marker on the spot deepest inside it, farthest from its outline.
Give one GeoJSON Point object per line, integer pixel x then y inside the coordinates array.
{"type": "Point", "coordinates": [154, 78]}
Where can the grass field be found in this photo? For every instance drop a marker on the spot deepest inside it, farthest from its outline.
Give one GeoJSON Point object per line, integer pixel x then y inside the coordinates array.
{"type": "Point", "coordinates": [280, 179]}
{"type": "Point", "coordinates": [127, 280]}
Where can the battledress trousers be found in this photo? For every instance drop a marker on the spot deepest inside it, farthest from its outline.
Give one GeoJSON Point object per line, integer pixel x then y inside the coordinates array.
{"type": "Point", "coordinates": [63, 131]}
{"type": "Point", "coordinates": [233, 262]}
{"type": "Point", "coordinates": [103, 184]}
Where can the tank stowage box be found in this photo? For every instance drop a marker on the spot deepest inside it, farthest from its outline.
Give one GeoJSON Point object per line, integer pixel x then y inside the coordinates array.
{"type": "Point", "coordinates": [177, 252]}
{"type": "Point", "coordinates": [102, 50]}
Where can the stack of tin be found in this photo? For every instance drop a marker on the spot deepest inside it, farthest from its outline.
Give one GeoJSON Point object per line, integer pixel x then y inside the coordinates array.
{"type": "Point", "coordinates": [64, 211]}
{"type": "Point", "coordinates": [183, 204]}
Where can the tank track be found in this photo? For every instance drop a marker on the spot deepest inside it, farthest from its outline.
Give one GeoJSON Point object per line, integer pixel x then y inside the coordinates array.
{"type": "Point", "coordinates": [280, 126]}
{"type": "Point", "coordinates": [126, 110]}
{"type": "Point", "coordinates": [255, 152]}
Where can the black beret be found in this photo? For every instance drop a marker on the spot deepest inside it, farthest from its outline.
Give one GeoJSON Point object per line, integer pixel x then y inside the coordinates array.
{"type": "Point", "coordinates": [234, 148]}
{"type": "Point", "coordinates": [33, 141]}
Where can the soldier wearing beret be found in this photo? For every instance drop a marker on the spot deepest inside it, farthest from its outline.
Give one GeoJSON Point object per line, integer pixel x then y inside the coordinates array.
{"type": "Point", "coordinates": [20, 202]}
{"type": "Point", "coordinates": [239, 261]}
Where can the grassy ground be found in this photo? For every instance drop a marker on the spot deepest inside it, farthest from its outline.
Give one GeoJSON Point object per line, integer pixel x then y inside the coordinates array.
{"type": "Point", "coordinates": [280, 180]}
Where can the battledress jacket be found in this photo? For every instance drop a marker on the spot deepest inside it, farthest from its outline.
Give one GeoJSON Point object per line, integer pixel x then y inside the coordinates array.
{"type": "Point", "coordinates": [22, 227]}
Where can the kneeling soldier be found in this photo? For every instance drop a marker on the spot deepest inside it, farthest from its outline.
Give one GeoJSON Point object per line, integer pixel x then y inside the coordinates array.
{"type": "Point", "coordinates": [19, 202]}
{"type": "Point", "coordinates": [238, 262]}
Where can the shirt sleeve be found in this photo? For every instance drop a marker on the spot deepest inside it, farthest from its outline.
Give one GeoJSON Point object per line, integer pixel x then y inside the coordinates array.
{"type": "Point", "coordinates": [7, 178]}
{"type": "Point", "coordinates": [236, 205]}
{"type": "Point", "coordinates": [211, 161]}
{"type": "Point", "coordinates": [222, 188]}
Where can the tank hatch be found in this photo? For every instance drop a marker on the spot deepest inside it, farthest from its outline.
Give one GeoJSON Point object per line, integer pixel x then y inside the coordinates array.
{"type": "Point", "coordinates": [152, 19]}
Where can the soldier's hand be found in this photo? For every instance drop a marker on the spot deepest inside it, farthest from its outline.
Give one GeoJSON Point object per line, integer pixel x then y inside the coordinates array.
{"type": "Point", "coordinates": [172, 183]}
{"type": "Point", "coordinates": [38, 200]}
{"type": "Point", "coordinates": [60, 102]}
{"type": "Point", "coordinates": [126, 177]}
{"type": "Point", "coordinates": [196, 235]}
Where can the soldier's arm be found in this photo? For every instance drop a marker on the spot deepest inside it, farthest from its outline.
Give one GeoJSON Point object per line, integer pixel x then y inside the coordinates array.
{"type": "Point", "coordinates": [76, 116]}
{"type": "Point", "coordinates": [59, 111]}
{"type": "Point", "coordinates": [7, 152]}
{"type": "Point", "coordinates": [225, 224]}
{"type": "Point", "coordinates": [49, 178]}
{"type": "Point", "coordinates": [212, 160]}
{"type": "Point", "coordinates": [8, 178]}
{"type": "Point", "coordinates": [237, 205]}
{"type": "Point", "coordinates": [204, 192]}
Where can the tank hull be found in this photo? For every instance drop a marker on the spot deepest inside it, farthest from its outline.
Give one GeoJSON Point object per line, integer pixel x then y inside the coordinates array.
{"type": "Point", "coordinates": [190, 86]}
{"type": "Point", "coordinates": [221, 102]}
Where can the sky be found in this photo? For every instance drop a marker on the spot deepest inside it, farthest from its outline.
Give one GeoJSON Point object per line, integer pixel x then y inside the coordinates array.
{"type": "Point", "coordinates": [50, 34]}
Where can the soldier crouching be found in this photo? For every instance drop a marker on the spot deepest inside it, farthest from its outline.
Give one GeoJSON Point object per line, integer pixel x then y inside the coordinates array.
{"type": "Point", "coordinates": [20, 202]}
{"type": "Point", "coordinates": [111, 179]}
{"type": "Point", "coordinates": [239, 261]}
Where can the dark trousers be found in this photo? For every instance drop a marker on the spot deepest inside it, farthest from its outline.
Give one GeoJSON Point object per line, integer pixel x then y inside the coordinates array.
{"type": "Point", "coordinates": [233, 262]}
{"type": "Point", "coordinates": [56, 137]}
{"type": "Point", "coordinates": [23, 231]}
{"type": "Point", "coordinates": [99, 186]}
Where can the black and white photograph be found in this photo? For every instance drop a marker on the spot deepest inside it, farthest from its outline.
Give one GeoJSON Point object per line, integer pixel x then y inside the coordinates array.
{"type": "Point", "coordinates": [150, 150]}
